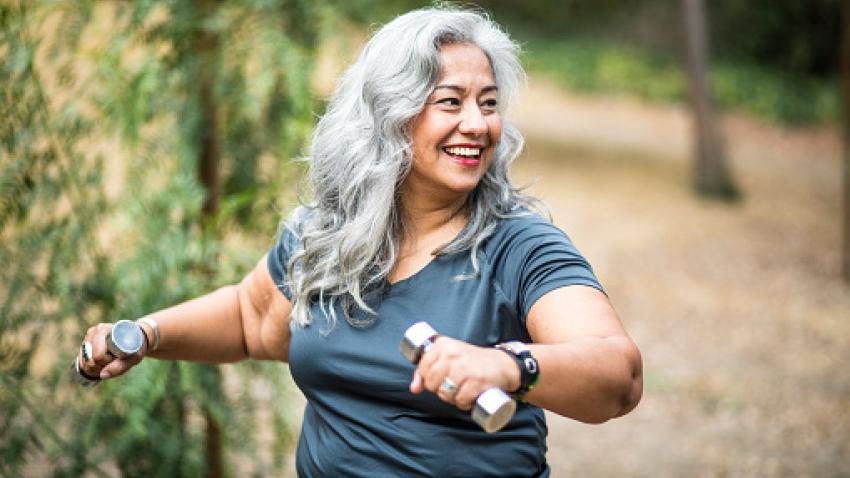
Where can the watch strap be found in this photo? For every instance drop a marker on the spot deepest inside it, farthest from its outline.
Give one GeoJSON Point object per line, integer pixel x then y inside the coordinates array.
{"type": "Point", "coordinates": [529, 371]}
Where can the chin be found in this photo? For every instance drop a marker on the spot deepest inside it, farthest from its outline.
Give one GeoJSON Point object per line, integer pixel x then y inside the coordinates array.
{"type": "Point", "coordinates": [463, 187]}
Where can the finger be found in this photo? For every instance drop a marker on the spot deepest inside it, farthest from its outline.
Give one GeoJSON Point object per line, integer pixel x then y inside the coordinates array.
{"type": "Point", "coordinates": [465, 396]}
{"type": "Point", "coordinates": [417, 385]}
{"type": "Point", "coordinates": [84, 353]}
{"type": "Point", "coordinates": [437, 363]}
{"type": "Point", "coordinates": [435, 351]}
{"type": "Point", "coordinates": [84, 365]}
{"type": "Point", "coordinates": [434, 376]}
{"type": "Point", "coordinates": [119, 366]}
{"type": "Point", "coordinates": [447, 390]}
{"type": "Point", "coordinates": [94, 360]}
{"type": "Point", "coordinates": [428, 358]}
{"type": "Point", "coordinates": [88, 367]}
{"type": "Point", "coordinates": [100, 355]}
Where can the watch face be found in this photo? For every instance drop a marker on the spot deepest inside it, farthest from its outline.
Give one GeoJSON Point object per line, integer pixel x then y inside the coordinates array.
{"type": "Point", "coordinates": [530, 365]}
{"type": "Point", "coordinates": [516, 347]}
{"type": "Point", "coordinates": [127, 336]}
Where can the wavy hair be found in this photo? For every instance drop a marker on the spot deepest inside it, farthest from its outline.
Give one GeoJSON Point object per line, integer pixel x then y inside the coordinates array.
{"type": "Point", "coordinates": [361, 153]}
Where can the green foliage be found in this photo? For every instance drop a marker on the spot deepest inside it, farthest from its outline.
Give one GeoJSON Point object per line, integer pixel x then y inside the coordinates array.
{"type": "Point", "coordinates": [792, 37]}
{"type": "Point", "coordinates": [796, 37]}
{"type": "Point", "coordinates": [778, 63]}
{"type": "Point", "coordinates": [50, 205]}
{"type": "Point", "coordinates": [89, 237]}
{"type": "Point", "coordinates": [593, 66]}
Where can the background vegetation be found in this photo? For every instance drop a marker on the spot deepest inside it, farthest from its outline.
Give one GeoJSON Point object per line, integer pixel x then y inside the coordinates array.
{"type": "Point", "coordinates": [146, 146]}
{"type": "Point", "coordinates": [146, 157]}
{"type": "Point", "coordinates": [776, 60]}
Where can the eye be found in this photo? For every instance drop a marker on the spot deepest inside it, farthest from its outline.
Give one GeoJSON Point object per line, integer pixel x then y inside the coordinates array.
{"type": "Point", "coordinates": [489, 104]}
{"type": "Point", "coordinates": [449, 102]}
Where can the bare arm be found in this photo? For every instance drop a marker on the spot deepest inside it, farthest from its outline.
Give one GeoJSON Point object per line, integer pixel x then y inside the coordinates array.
{"type": "Point", "coordinates": [246, 320]}
{"type": "Point", "coordinates": [589, 368]}
{"type": "Point", "coordinates": [249, 319]}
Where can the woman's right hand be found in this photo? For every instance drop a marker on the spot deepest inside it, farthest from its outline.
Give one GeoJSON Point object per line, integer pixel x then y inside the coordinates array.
{"type": "Point", "coordinates": [102, 364]}
{"type": "Point", "coordinates": [471, 368]}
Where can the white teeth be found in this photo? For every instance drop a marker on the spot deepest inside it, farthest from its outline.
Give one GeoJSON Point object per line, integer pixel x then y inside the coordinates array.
{"type": "Point", "coordinates": [464, 151]}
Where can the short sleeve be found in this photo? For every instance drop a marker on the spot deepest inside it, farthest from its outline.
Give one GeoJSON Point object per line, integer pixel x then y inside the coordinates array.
{"type": "Point", "coordinates": [535, 257]}
{"type": "Point", "coordinates": [278, 259]}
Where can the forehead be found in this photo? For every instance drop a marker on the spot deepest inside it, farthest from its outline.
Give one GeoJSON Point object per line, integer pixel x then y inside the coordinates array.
{"type": "Point", "coordinates": [466, 65]}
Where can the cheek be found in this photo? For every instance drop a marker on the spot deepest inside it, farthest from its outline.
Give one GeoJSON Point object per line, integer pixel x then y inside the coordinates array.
{"type": "Point", "coordinates": [428, 135]}
{"type": "Point", "coordinates": [495, 131]}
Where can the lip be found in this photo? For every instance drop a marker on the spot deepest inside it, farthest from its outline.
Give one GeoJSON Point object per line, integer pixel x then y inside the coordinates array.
{"type": "Point", "coordinates": [465, 162]}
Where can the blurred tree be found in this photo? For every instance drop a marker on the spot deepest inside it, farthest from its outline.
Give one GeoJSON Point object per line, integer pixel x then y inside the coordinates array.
{"type": "Point", "coordinates": [712, 175]}
{"type": "Point", "coordinates": [845, 87]}
{"type": "Point", "coordinates": [210, 100]}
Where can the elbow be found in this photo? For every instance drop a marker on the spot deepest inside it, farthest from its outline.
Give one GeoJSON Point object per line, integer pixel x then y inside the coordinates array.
{"type": "Point", "coordinates": [631, 389]}
{"type": "Point", "coordinates": [622, 404]}
{"type": "Point", "coordinates": [625, 390]}
{"type": "Point", "coordinates": [610, 386]}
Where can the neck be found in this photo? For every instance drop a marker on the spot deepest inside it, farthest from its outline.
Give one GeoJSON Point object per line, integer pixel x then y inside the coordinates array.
{"type": "Point", "coordinates": [425, 214]}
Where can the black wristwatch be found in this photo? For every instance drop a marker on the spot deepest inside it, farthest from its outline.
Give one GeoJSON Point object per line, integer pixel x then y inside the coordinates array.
{"type": "Point", "coordinates": [529, 372]}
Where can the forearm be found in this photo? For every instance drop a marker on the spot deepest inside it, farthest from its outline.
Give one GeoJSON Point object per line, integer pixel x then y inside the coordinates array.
{"type": "Point", "coordinates": [591, 379]}
{"type": "Point", "coordinates": [205, 329]}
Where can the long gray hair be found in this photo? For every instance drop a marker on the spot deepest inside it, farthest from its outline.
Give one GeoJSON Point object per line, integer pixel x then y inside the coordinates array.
{"type": "Point", "coordinates": [362, 152]}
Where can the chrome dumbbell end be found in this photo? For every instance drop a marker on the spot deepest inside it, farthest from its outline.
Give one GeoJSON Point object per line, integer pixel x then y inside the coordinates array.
{"type": "Point", "coordinates": [493, 410]}
{"type": "Point", "coordinates": [125, 339]}
{"type": "Point", "coordinates": [417, 340]}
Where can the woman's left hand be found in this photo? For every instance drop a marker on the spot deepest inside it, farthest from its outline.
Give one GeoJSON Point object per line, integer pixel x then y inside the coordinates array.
{"type": "Point", "coordinates": [471, 369]}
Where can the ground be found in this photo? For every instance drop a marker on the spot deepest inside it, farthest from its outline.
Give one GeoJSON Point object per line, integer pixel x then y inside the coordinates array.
{"type": "Point", "coordinates": [738, 309]}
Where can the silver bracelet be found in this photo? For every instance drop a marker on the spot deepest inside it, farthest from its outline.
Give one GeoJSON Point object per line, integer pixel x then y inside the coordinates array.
{"type": "Point", "coordinates": [152, 324]}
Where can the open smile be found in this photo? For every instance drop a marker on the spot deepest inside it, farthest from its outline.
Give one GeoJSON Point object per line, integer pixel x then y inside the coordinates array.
{"type": "Point", "coordinates": [465, 155]}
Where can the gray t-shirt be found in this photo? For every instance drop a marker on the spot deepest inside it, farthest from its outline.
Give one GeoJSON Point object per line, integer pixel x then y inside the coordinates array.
{"type": "Point", "coordinates": [362, 420]}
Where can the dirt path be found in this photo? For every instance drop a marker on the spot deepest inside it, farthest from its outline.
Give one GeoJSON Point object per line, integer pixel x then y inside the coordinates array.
{"type": "Point", "coordinates": [738, 310]}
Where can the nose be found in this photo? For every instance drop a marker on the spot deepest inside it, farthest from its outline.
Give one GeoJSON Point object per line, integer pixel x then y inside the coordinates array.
{"type": "Point", "coordinates": [472, 121]}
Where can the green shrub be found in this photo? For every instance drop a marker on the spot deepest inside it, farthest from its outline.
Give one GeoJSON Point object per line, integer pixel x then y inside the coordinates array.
{"type": "Point", "coordinates": [596, 67]}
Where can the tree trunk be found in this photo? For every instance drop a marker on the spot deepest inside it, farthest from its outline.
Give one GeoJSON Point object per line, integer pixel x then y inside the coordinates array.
{"type": "Point", "coordinates": [208, 136]}
{"type": "Point", "coordinates": [209, 150]}
{"type": "Point", "coordinates": [213, 447]}
{"type": "Point", "coordinates": [711, 174]}
{"type": "Point", "coordinates": [845, 90]}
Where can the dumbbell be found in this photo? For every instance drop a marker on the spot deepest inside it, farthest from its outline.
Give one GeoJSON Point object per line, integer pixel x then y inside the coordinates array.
{"type": "Point", "coordinates": [124, 340]}
{"type": "Point", "coordinates": [493, 409]}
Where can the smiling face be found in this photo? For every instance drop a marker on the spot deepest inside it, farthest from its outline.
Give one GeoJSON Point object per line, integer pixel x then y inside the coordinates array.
{"type": "Point", "coordinates": [455, 135]}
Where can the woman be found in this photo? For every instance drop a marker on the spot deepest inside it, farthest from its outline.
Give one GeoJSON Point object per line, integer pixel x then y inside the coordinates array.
{"type": "Point", "coordinates": [414, 219]}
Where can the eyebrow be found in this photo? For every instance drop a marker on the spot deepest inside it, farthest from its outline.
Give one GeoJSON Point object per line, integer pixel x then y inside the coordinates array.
{"type": "Point", "coordinates": [460, 89]}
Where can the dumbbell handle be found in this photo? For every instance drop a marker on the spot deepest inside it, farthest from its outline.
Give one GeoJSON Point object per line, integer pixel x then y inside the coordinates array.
{"type": "Point", "coordinates": [493, 409]}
